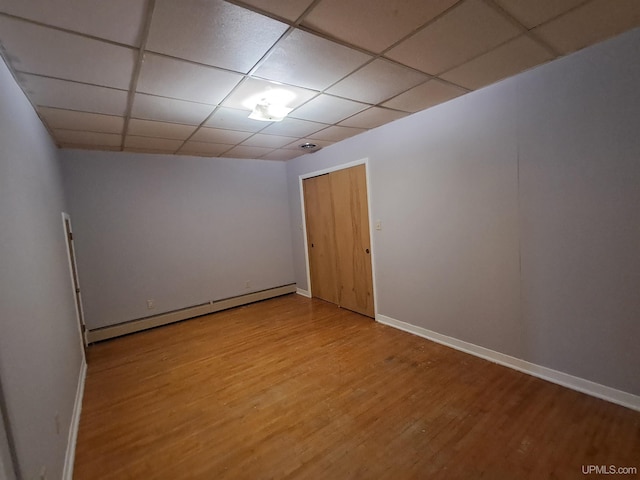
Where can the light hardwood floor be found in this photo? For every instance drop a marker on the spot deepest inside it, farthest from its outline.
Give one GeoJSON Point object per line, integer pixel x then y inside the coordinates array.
{"type": "Point", "coordinates": [298, 388]}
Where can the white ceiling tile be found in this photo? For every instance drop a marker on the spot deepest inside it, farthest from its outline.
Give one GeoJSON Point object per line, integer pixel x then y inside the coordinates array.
{"type": "Point", "coordinates": [377, 81]}
{"type": "Point", "coordinates": [282, 155]}
{"type": "Point", "coordinates": [327, 109]}
{"type": "Point", "coordinates": [116, 20]}
{"type": "Point", "coordinates": [72, 120]}
{"type": "Point", "coordinates": [269, 141]}
{"type": "Point", "coordinates": [87, 138]}
{"type": "Point", "coordinates": [166, 144]}
{"type": "Point", "coordinates": [469, 42]}
{"type": "Point", "coordinates": [289, 9]}
{"type": "Point", "coordinates": [212, 32]}
{"type": "Point", "coordinates": [301, 141]}
{"type": "Point", "coordinates": [508, 59]}
{"type": "Point", "coordinates": [202, 148]}
{"type": "Point", "coordinates": [184, 80]}
{"type": "Point", "coordinates": [254, 88]}
{"type": "Point", "coordinates": [292, 127]}
{"type": "Point", "coordinates": [149, 128]}
{"type": "Point", "coordinates": [219, 135]}
{"type": "Point", "coordinates": [49, 92]}
{"type": "Point", "coordinates": [463, 33]}
{"type": "Point", "coordinates": [593, 22]}
{"type": "Point", "coordinates": [310, 61]}
{"type": "Point", "coordinates": [247, 152]}
{"type": "Point", "coordinates": [373, 25]}
{"type": "Point", "coordinates": [45, 51]}
{"type": "Point", "coordinates": [424, 96]}
{"type": "Point", "coordinates": [232, 119]}
{"type": "Point", "coordinates": [531, 14]}
{"type": "Point", "coordinates": [169, 110]}
{"type": "Point", "coordinates": [336, 133]}
{"type": "Point", "coordinates": [372, 118]}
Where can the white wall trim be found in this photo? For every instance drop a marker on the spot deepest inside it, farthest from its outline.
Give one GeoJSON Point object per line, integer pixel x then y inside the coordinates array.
{"type": "Point", "coordinates": [304, 233]}
{"type": "Point", "coordinates": [304, 293]}
{"type": "Point", "coordinates": [342, 166]}
{"type": "Point", "coordinates": [566, 380]}
{"type": "Point", "coordinates": [75, 424]}
{"type": "Point", "coordinates": [70, 260]}
{"type": "Point", "coordinates": [372, 237]}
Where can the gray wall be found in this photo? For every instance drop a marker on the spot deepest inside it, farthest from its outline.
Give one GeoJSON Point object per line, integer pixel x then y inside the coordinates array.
{"type": "Point", "coordinates": [7, 472]}
{"type": "Point", "coordinates": [40, 353]}
{"type": "Point", "coordinates": [179, 230]}
{"type": "Point", "coordinates": [511, 215]}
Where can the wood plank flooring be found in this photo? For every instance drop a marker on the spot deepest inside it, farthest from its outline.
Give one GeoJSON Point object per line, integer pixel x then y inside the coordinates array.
{"type": "Point", "coordinates": [298, 388]}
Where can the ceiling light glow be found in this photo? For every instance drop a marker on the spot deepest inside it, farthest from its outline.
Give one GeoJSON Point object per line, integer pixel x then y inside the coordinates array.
{"type": "Point", "coordinates": [270, 105]}
{"type": "Point", "coordinates": [269, 113]}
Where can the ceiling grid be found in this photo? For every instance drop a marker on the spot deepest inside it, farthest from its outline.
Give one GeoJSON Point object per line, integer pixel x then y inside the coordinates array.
{"type": "Point", "coordinates": [161, 76]}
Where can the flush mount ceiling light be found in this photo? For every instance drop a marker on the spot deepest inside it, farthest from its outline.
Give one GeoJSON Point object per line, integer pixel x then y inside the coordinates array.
{"type": "Point", "coordinates": [268, 112]}
{"type": "Point", "coordinates": [270, 105]}
{"type": "Point", "coordinates": [309, 147]}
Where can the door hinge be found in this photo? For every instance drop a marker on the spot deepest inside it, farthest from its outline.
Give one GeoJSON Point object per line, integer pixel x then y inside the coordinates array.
{"type": "Point", "coordinates": [77, 290]}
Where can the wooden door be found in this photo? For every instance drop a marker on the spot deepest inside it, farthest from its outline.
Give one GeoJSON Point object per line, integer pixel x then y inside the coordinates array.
{"type": "Point", "coordinates": [320, 237]}
{"type": "Point", "coordinates": [353, 246]}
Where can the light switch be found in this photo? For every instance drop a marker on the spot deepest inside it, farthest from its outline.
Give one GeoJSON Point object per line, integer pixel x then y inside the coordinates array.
{"type": "Point", "coordinates": [378, 224]}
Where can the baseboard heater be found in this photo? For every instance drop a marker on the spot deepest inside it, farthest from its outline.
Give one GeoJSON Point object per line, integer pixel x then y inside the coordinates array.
{"type": "Point", "coordinates": [145, 323]}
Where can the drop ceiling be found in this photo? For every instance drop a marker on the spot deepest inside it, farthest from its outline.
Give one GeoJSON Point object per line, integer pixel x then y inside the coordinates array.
{"type": "Point", "coordinates": [169, 76]}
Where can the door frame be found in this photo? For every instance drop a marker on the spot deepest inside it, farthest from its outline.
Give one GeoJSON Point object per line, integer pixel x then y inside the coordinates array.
{"type": "Point", "coordinates": [316, 173]}
{"type": "Point", "coordinates": [77, 300]}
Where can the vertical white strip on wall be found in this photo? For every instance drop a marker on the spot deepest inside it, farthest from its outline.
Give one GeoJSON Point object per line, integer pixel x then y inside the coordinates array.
{"type": "Point", "coordinates": [304, 233]}
{"type": "Point", "coordinates": [372, 240]}
{"type": "Point", "coordinates": [83, 339]}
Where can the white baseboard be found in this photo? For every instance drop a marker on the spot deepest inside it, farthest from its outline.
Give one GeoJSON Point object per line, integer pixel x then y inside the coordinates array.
{"type": "Point", "coordinates": [75, 424]}
{"type": "Point", "coordinates": [304, 293]}
{"type": "Point", "coordinates": [112, 331]}
{"type": "Point", "coordinates": [575, 383]}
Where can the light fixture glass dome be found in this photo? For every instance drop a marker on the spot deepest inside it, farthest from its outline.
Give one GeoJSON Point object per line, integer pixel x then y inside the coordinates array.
{"type": "Point", "coordinates": [267, 112]}
{"type": "Point", "coordinates": [270, 105]}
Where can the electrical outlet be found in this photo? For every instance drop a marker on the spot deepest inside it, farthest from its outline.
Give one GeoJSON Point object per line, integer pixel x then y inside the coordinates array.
{"type": "Point", "coordinates": [43, 473]}
{"type": "Point", "coordinates": [247, 284]}
{"type": "Point", "coordinates": [57, 419]}
{"type": "Point", "coordinates": [151, 304]}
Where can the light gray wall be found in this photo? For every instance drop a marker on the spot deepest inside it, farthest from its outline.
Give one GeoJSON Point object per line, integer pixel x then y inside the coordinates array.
{"type": "Point", "coordinates": [179, 230]}
{"type": "Point", "coordinates": [7, 472]}
{"type": "Point", "coordinates": [511, 215]}
{"type": "Point", "coordinates": [580, 213]}
{"type": "Point", "coordinates": [40, 353]}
